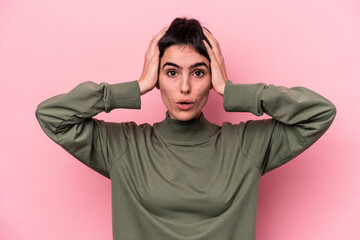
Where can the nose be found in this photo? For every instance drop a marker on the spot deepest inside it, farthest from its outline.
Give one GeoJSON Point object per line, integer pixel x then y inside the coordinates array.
{"type": "Point", "coordinates": [185, 87]}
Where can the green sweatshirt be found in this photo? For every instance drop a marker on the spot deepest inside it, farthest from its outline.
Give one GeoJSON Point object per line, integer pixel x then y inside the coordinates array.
{"type": "Point", "coordinates": [185, 180]}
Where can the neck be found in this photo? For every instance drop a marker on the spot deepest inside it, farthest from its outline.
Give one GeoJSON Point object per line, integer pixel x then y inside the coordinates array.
{"type": "Point", "coordinates": [194, 130]}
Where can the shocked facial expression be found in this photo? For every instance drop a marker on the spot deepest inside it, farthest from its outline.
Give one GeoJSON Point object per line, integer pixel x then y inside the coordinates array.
{"type": "Point", "coordinates": [184, 82]}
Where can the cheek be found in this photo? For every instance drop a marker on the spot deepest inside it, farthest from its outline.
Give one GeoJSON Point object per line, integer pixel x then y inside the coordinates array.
{"type": "Point", "coordinates": [204, 94]}
{"type": "Point", "coordinates": [207, 86]}
{"type": "Point", "coordinates": [165, 92]}
{"type": "Point", "coordinates": [207, 82]}
{"type": "Point", "coordinates": [162, 83]}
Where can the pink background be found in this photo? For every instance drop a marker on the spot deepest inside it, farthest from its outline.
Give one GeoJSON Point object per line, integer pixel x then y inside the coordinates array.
{"type": "Point", "coordinates": [48, 47]}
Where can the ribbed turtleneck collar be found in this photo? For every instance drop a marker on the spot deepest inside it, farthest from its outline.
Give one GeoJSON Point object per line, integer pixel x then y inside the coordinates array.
{"type": "Point", "coordinates": [194, 130]}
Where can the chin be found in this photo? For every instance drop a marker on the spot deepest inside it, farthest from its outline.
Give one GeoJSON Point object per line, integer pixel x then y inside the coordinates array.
{"type": "Point", "coordinates": [185, 116]}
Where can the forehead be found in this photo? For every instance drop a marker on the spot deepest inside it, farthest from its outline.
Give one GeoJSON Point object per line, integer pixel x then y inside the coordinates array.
{"type": "Point", "coordinates": [183, 55]}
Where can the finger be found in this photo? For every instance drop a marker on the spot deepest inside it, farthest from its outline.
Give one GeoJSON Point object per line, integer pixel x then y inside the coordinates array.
{"type": "Point", "coordinates": [153, 49]}
{"type": "Point", "coordinates": [216, 61]}
{"type": "Point", "coordinates": [210, 37]}
{"type": "Point", "coordinates": [160, 34]}
{"type": "Point", "coordinates": [210, 51]}
{"type": "Point", "coordinates": [215, 48]}
{"type": "Point", "coordinates": [215, 45]}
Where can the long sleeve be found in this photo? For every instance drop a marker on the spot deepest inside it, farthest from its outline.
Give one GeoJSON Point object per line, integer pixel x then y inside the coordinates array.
{"type": "Point", "coordinates": [68, 120]}
{"type": "Point", "coordinates": [299, 117]}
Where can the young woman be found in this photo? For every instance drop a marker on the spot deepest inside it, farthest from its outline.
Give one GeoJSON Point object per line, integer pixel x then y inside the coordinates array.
{"type": "Point", "coordinates": [185, 177]}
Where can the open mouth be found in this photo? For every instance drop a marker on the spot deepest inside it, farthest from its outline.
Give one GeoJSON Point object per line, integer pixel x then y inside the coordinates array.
{"type": "Point", "coordinates": [184, 104]}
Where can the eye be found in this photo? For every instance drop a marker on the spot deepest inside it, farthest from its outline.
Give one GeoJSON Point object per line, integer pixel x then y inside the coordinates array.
{"type": "Point", "coordinates": [199, 73]}
{"type": "Point", "coordinates": [171, 73]}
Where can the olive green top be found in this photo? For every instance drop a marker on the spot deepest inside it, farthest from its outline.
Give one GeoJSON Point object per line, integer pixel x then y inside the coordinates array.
{"type": "Point", "coordinates": [185, 180]}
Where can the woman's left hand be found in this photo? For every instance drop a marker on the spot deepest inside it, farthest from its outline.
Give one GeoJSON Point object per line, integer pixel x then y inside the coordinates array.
{"type": "Point", "coordinates": [218, 70]}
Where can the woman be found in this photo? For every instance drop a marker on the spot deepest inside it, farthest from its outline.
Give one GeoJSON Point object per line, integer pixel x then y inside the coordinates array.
{"type": "Point", "coordinates": [184, 177]}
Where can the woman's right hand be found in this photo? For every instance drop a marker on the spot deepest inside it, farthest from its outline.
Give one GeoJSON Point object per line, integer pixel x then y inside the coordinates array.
{"type": "Point", "coordinates": [149, 75]}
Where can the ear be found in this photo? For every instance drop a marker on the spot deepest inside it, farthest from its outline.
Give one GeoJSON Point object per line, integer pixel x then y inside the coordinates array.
{"type": "Point", "coordinates": [157, 85]}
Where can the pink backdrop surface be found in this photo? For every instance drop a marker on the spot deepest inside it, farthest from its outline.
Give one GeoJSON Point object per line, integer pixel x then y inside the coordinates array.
{"type": "Point", "coordinates": [48, 47]}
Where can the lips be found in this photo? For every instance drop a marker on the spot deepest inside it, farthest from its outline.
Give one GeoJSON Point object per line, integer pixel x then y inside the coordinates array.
{"type": "Point", "coordinates": [184, 104]}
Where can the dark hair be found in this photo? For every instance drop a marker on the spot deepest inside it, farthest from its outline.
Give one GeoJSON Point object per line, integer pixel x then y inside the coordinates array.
{"type": "Point", "coordinates": [186, 32]}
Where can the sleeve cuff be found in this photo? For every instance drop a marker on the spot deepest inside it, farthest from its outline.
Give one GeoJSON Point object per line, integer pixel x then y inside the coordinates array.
{"type": "Point", "coordinates": [124, 95]}
{"type": "Point", "coordinates": [243, 98]}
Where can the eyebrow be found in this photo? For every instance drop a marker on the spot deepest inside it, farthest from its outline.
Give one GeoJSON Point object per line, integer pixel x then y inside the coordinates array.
{"type": "Point", "coordinates": [198, 64]}
{"type": "Point", "coordinates": [190, 67]}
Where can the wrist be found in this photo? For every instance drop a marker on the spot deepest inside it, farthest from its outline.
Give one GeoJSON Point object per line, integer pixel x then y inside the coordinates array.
{"type": "Point", "coordinates": [143, 87]}
{"type": "Point", "coordinates": [220, 89]}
